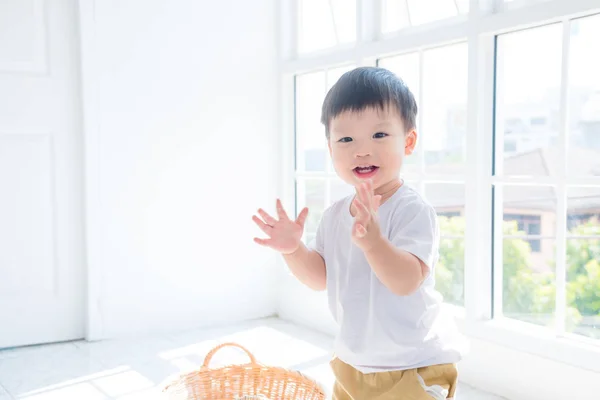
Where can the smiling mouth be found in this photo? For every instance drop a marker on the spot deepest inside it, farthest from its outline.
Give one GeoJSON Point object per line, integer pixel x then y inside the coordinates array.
{"type": "Point", "coordinates": [366, 170]}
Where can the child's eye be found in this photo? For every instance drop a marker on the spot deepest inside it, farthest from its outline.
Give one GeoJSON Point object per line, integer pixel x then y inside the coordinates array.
{"type": "Point", "coordinates": [380, 135]}
{"type": "Point", "coordinates": [345, 140]}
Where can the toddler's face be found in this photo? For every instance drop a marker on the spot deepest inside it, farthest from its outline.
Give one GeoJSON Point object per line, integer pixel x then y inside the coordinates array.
{"type": "Point", "coordinates": [369, 144]}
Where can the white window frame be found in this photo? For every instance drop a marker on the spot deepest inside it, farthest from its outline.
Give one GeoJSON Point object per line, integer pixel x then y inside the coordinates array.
{"type": "Point", "coordinates": [479, 29]}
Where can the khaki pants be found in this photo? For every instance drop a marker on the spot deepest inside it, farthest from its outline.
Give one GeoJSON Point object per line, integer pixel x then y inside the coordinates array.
{"type": "Point", "coordinates": [435, 382]}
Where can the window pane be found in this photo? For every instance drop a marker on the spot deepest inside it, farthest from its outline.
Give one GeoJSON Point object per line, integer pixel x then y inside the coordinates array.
{"type": "Point", "coordinates": [529, 290]}
{"type": "Point", "coordinates": [530, 211]}
{"type": "Point", "coordinates": [406, 67]}
{"type": "Point", "coordinates": [311, 193]}
{"type": "Point", "coordinates": [422, 12]}
{"type": "Point", "coordinates": [448, 199]}
{"type": "Point", "coordinates": [449, 271]}
{"type": "Point", "coordinates": [583, 211]}
{"type": "Point", "coordinates": [528, 77]}
{"type": "Point", "coordinates": [529, 214]}
{"type": "Point", "coordinates": [324, 24]}
{"type": "Point", "coordinates": [584, 98]}
{"type": "Point", "coordinates": [444, 108]}
{"type": "Point", "coordinates": [311, 145]}
{"type": "Point", "coordinates": [583, 287]}
{"type": "Point", "coordinates": [399, 14]}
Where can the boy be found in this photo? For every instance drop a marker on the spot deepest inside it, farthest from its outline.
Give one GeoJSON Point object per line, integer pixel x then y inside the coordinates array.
{"type": "Point", "coordinates": [375, 252]}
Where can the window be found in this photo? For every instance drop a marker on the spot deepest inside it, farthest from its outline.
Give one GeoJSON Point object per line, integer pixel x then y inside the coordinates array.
{"type": "Point", "coordinates": [583, 260]}
{"type": "Point", "coordinates": [399, 14]}
{"type": "Point", "coordinates": [536, 246]}
{"type": "Point", "coordinates": [323, 24]}
{"type": "Point", "coordinates": [529, 225]}
{"type": "Point", "coordinates": [508, 151]}
{"type": "Point", "coordinates": [449, 202]}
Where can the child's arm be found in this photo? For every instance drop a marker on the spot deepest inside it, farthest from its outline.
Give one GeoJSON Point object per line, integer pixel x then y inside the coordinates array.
{"type": "Point", "coordinates": [308, 266]}
{"type": "Point", "coordinates": [400, 271]}
{"type": "Point", "coordinates": [285, 236]}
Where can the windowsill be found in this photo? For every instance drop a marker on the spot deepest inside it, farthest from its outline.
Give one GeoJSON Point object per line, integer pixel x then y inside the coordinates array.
{"type": "Point", "coordinates": [573, 350]}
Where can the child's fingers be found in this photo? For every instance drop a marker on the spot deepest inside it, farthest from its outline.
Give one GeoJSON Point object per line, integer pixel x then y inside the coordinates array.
{"type": "Point", "coordinates": [369, 194]}
{"type": "Point", "coordinates": [268, 219]}
{"type": "Point", "coordinates": [280, 211]}
{"type": "Point", "coordinates": [362, 193]}
{"type": "Point", "coordinates": [359, 230]}
{"type": "Point", "coordinates": [264, 227]}
{"type": "Point", "coordinates": [362, 210]}
{"type": "Point", "coordinates": [263, 242]}
{"type": "Point", "coordinates": [302, 217]}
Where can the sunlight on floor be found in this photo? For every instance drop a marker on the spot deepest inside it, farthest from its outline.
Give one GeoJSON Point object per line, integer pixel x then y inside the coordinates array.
{"type": "Point", "coordinates": [137, 368]}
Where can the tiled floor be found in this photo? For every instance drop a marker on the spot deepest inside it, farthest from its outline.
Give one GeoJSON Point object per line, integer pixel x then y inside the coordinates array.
{"type": "Point", "coordinates": [134, 369]}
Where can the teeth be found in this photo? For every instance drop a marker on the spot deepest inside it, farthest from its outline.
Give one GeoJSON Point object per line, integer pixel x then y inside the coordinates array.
{"type": "Point", "coordinates": [365, 169]}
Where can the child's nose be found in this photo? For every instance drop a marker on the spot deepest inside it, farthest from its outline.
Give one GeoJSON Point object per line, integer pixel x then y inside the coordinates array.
{"type": "Point", "coordinates": [363, 151]}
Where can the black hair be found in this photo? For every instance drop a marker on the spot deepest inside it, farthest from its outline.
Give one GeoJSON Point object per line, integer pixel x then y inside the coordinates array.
{"type": "Point", "coordinates": [366, 87]}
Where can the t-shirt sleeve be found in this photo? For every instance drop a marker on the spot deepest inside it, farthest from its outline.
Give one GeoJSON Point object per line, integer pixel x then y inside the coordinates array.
{"type": "Point", "coordinates": [417, 232]}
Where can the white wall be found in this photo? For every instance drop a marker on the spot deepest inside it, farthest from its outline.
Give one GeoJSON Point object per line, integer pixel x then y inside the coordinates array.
{"type": "Point", "coordinates": [491, 367]}
{"type": "Point", "coordinates": [180, 101]}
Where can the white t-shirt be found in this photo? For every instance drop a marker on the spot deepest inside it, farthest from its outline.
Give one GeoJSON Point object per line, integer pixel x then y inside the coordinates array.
{"type": "Point", "coordinates": [379, 330]}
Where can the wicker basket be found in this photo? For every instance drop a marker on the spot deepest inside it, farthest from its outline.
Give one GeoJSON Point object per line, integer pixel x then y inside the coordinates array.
{"type": "Point", "coordinates": [243, 381]}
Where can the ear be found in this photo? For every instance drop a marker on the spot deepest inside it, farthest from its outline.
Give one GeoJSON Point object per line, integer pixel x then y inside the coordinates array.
{"type": "Point", "coordinates": [410, 142]}
{"type": "Point", "coordinates": [329, 146]}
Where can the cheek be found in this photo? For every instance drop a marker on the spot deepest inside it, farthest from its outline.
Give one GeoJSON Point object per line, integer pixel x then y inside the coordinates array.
{"type": "Point", "coordinates": [394, 153]}
{"type": "Point", "coordinates": [339, 156]}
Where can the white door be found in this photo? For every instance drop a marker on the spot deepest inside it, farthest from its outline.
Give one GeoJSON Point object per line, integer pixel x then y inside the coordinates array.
{"type": "Point", "coordinates": [41, 246]}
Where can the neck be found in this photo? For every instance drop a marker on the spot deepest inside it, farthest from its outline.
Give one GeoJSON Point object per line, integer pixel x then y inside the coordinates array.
{"type": "Point", "coordinates": [388, 189]}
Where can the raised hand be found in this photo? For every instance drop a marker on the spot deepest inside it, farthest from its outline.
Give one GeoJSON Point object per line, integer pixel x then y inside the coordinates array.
{"type": "Point", "coordinates": [285, 235]}
{"type": "Point", "coordinates": [365, 230]}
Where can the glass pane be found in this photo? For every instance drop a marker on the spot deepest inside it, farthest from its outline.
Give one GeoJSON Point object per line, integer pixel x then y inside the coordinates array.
{"type": "Point", "coordinates": [583, 287]}
{"type": "Point", "coordinates": [444, 108]}
{"type": "Point", "coordinates": [406, 67]}
{"type": "Point", "coordinates": [324, 24]}
{"type": "Point", "coordinates": [528, 77]}
{"type": "Point", "coordinates": [344, 15]}
{"type": "Point", "coordinates": [529, 290]}
{"type": "Point", "coordinates": [311, 144]}
{"type": "Point", "coordinates": [422, 12]}
{"type": "Point", "coordinates": [530, 211]}
{"type": "Point", "coordinates": [311, 193]}
{"type": "Point", "coordinates": [399, 14]}
{"type": "Point", "coordinates": [394, 15]}
{"type": "Point", "coordinates": [584, 98]}
{"type": "Point", "coordinates": [449, 271]}
{"type": "Point", "coordinates": [448, 199]}
{"type": "Point", "coordinates": [339, 190]}
{"type": "Point", "coordinates": [583, 211]}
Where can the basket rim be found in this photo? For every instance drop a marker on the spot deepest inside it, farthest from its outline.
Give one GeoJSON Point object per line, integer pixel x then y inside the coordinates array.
{"type": "Point", "coordinates": [253, 364]}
